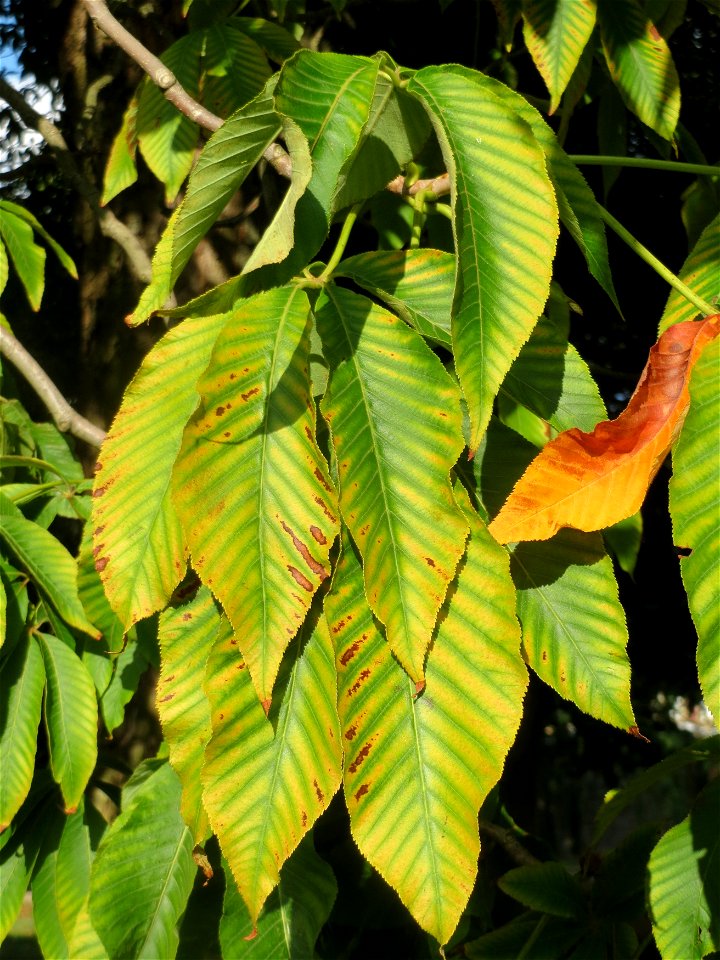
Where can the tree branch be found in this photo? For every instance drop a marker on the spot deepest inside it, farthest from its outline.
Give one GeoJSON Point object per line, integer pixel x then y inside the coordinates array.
{"type": "Point", "coordinates": [66, 419]}
{"type": "Point", "coordinates": [509, 842]}
{"type": "Point", "coordinates": [110, 225]}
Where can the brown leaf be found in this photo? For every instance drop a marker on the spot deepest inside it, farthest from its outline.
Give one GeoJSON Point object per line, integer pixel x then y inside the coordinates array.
{"type": "Point", "coordinates": [590, 481]}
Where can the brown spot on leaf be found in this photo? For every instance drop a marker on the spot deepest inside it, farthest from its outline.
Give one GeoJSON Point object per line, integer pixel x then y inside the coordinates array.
{"type": "Point", "coordinates": [360, 757]}
{"type": "Point", "coordinates": [318, 792]}
{"type": "Point", "coordinates": [362, 791]}
{"type": "Point", "coordinates": [97, 468]}
{"type": "Point", "coordinates": [351, 732]}
{"type": "Point", "coordinates": [429, 561]}
{"type": "Point", "coordinates": [99, 491]}
{"type": "Point", "coordinates": [364, 674]}
{"type": "Point", "coordinates": [187, 616]}
{"type": "Point", "coordinates": [250, 393]}
{"type": "Point", "coordinates": [338, 626]}
{"type": "Point", "coordinates": [364, 530]}
{"type": "Point", "coordinates": [300, 579]}
{"type": "Point", "coordinates": [165, 699]}
{"type": "Point", "coordinates": [227, 433]}
{"type": "Point", "coordinates": [318, 535]}
{"type": "Point", "coordinates": [350, 652]}
{"type": "Point", "coordinates": [99, 530]}
{"type": "Point", "coordinates": [317, 568]}
{"type": "Point", "coordinates": [321, 503]}
{"type": "Point", "coordinates": [319, 477]}
{"type": "Point", "coordinates": [544, 656]}
{"type": "Point", "coordinates": [101, 564]}
{"type": "Point", "coordinates": [309, 434]}
{"type": "Point", "coordinates": [219, 411]}
{"type": "Point", "coordinates": [303, 818]}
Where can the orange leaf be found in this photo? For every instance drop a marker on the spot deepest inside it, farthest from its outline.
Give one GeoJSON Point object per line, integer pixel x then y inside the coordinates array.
{"type": "Point", "coordinates": [592, 480]}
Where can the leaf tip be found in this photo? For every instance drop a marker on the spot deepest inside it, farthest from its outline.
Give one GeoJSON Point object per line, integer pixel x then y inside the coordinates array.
{"type": "Point", "coordinates": [635, 732]}
{"type": "Point", "coordinates": [266, 704]}
{"type": "Point", "coordinates": [252, 935]}
{"type": "Point", "coordinates": [419, 687]}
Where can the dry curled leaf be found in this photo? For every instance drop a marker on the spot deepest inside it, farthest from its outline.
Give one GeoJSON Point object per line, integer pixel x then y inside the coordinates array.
{"type": "Point", "coordinates": [590, 481]}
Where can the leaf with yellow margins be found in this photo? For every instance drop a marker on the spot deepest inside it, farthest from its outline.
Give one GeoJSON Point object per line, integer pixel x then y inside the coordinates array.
{"type": "Point", "coordinates": [251, 485]}
{"type": "Point", "coordinates": [589, 481]}
{"type": "Point", "coordinates": [417, 769]}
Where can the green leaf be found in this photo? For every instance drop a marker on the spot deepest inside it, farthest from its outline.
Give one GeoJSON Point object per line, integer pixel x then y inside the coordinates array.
{"type": "Point", "coordinates": [556, 32]}
{"type": "Point", "coordinates": [530, 937]}
{"type": "Point", "coordinates": [389, 402]}
{"type": "Point", "coordinates": [694, 512]}
{"type": "Point", "coordinates": [4, 268]}
{"type": "Point", "coordinates": [684, 873]}
{"type": "Point", "coordinates": [505, 239]}
{"type": "Point", "coordinates": [417, 285]}
{"type": "Point", "coordinates": [624, 539]}
{"type": "Point", "coordinates": [508, 13]}
{"type": "Point", "coordinates": [417, 769]}
{"type": "Point", "coordinates": [640, 64]}
{"type": "Point", "coordinates": [701, 272]}
{"type": "Point", "coordinates": [22, 679]}
{"type": "Point", "coordinates": [47, 563]}
{"type": "Point", "coordinates": [294, 913]}
{"type": "Point", "coordinates": [551, 379]}
{"type": "Point", "coordinates": [94, 601]}
{"type": "Point", "coordinates": [27, 257]}
{"type": "Point", "coordinates": [70, 717]}
{"type": "Point", "coordinates": [277, 42]}
{"type": "Point", "coordinates": [186, 635]}
{"type": "Point", "coordinates": [139, 548]}
{"type": "Point", "coordinates": [235, 68]}
{"type": "Point", "coordinates": [226, 160]}
{"type": "Point", "coordinates": [547, 888]}
{"type": "Point", "coordinates": [129, 666]}
{"type": "Point", "coordinates": [251, 485]}
{"type": "Point", "coordinates": [266, 780]}
{"type": "Point", "coordinates": [121, 168]}
{"type": "Point", "coordinates": [574, 632]}
{"type": "Point", "coordinates": [143, 872]}
{"type": "Point", "coordinates": [64, 258]}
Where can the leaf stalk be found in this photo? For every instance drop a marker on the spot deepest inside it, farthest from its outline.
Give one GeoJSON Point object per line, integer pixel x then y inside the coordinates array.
{"type": "Point", "coordinates": [646, 163]}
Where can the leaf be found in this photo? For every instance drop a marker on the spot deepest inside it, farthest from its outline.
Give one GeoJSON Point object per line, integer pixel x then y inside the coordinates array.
{"type": "Point", "coordinates": [129, 666]}
{"type": "Point", "coordinates": [506, 228]}
{"type": "Point", "coordinates": [4, 268]}
{"type": "Point", "coordinates": [624, 539]}
{"type": "Point", "coordinates": [121, 168]}
{"type": "Point", "coordinates": [70, 717]}
{"type": "Point", "coordinates": [700, 272]}
{"type": "Point", "coordinates": [684, 874]}
{"type": "Point", "coordinates": [417, 769]}
{"type": "Point", "coordinates": [640, 64]}
{"type": "Point", "coordinates": [417, 285]}
{"type": "Point", "coordinates": [22, 679]}
{"type": "Point", "coordinates": [389, 402]}
{"type": "Point", "coordinates": [92, 596]}
{"type": "Point", "coordinates": [47, 563]}
{"type": "Point", "coordinates": [277, 42]}
{"type": "Point", "coordinates": [592, 480]}
{"type": "Point", "coordinates": [574, 632]}
{"type": "Point", "coordinates": [266, 781]}
{"type": "Point", "coordinates": [64, 258]}
{"type": "Point", "coordinates": [146, 854]}
{"type": "Point", "coordinates": [693, 508]}
{"type": "Point", "coordinates": [551, 379]}
{"type": "Point", "coordinates": [139, 548]}
{"type": "Point", "coordinates": [186, 635]}
{"type": "Point", "coordinates": [27, 257]}
{"type": "Point", "coordinates": [251, 486]}
{"type": "Point", "coordinates": [555, 33]}
{"type": "Point", "coordinates": [546, 887]}
{"type": "Point", "coordinates": [294, 913]}
{"type": "Point", "coordinates": [234, 68]}
{"type": "Point", "coordinates": [226, 160]}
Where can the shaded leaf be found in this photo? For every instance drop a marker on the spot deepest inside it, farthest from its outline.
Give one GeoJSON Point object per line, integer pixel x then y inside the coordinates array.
{"type": "Point", "coordinates": [146, 854]}
{"type": "Point", "coordinates": [251, 486]}
{"type": "Point", "coordinates": [417, 285]}
{"type": "Point", "coordinates": [70, 717]}
{"type": "Point", "coordinates": [640, 64]}
{"type": "Point", "coordinates": [547, 888]}
{"type": "Point", "coordinates": [694, 512]}
{"type": "Point", "coordinates": [22, 679]}
{"type": "Point", "coordinates": [234, 68]}
{"type": "Point", "coordinates": [266, 780]}
{"type": "Point", "coordinates": [505, 237]}
{"type": "Point", "coordinates": [556, 32]}
{"type": "Point", "coordinates": [388, 403]}
{"type": "Point", "coordinates": [591, 480]}
{"type": "Point", "coordinates": [293, 915]}
{"type": "Point", "coordinates": [574, 632]}
{"type": "Point", "coordinates": [63, 257]}
{"type": "Point", "coordinates": [277, 42]}
{"type": "Point", "coordinates": [684, 874]}
{"type": "Point", "coordinates": [417, 769]}
{"type": "Point", "coordinates": [186, 635]}
{"type": "Point", "coordinates": [623, 540]}
{"type": "Point", "coordinates": [27, 257]}
{"type": "Point", "coordinates": [138, 543]}
{"type": "Point", "coordinates": [701, 272]}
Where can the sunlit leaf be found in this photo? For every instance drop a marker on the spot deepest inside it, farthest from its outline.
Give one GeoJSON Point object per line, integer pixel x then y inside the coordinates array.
{"type": "Point", "coordinates": [293, 915]}
{"type": "Point", "coordinates": [640, 64]}
{"type": "Point", "coordinates": [71, 718]}
{"type": "Point", "coordinates": [591, 480]}
{"type": "Point", "coordinates": [701, 272]}
{"type": "Point", "coordinates": [555, 33]}
{"type": "Point", "coordinates": [694, 512]}
{"type": "Point", "coordinates": [416, 770]}
{"type": "Point", "coordinates": [121, 168]}
{"type": "Point", "coordinates": [139, 548]}
{"type": "Point", "coordinates": [186, 635]}
{"type": "Point", "coordinates": [684, 874]}
{"type": "Point", "coordinates": [394, 417]}
{"type": "Point", "coordinates": [63, 257]}
{"type": "Point", "coordinates": [143, 872]}
{"type": "Point", "coordinates": [251, 486]}
{"type": "Point", "coordinates": [22, 679]}
{"type": "Point", "coordinates": [506, 226]}
{"type": "Point", "coordinates": [27, 257]}
{"type": "Point", "coordinates": [266, 780]}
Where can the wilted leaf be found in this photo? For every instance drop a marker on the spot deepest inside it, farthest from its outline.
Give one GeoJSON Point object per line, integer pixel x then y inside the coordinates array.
{"type": "Point", "coordinates": [591, 480]}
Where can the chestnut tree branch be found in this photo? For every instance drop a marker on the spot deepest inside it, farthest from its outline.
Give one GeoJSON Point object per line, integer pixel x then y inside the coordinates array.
{"type": "Point", "coordinates": [66, 419]}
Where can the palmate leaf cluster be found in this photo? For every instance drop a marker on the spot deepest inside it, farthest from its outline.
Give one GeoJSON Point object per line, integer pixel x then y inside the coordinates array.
{"type": "Point", "coordinates": [292, 502]}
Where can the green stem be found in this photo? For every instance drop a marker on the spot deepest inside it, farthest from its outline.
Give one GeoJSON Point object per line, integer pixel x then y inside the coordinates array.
{"type": "Point", "coordinates": [699, 169]}
{"type": "Point", "coordinates": [703, 306]}
{"type": "Point", "coordinates": [339, 250]}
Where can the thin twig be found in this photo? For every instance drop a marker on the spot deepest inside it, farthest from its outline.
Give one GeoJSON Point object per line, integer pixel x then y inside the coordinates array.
{"type": "Point", "coordinates": [66, 419]}
{"type": "Point", "coordinates": [509, 842]}
{"type": "Point", "coordinates": [112, 227]}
